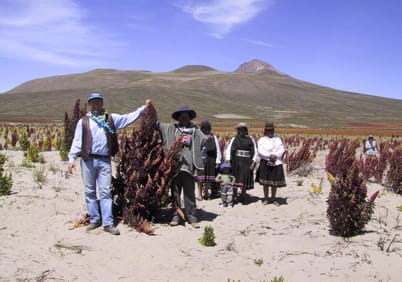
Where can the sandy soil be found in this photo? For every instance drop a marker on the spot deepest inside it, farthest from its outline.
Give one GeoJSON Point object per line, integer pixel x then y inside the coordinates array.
{"type": "Point", "coordinates": [254, 242]}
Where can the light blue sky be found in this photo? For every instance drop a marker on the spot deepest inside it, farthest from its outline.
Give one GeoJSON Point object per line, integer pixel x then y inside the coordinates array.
{"type": "Point", "coordinates": [353, 45]}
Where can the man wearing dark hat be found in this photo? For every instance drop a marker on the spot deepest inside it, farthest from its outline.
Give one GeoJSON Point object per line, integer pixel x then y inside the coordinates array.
{"type": "Point", "coordinates": [95, 140]}
{"type": "Point", "coordinates": [191, 162]}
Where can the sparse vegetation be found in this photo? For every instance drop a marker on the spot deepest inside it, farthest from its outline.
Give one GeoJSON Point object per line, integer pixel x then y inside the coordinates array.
{"type": "Point", "coordinates": [299, 182]}
{"type": "Point", "coordinates": [24, 143]}
{"type": "Point", "coordinates": [27, 164]}
{"type": "Point", "coordinates": [258, 262]}
{"type": "Point", "coordinates": [33, 153]}
{"type": "Point", "coordinates": [41, 159]}
{"type": "Point", "coordinates": [278, 279]}
{"type": "Point", "coordinates": [39, 176]}
{"type": "Point", "coordinates": [53, 168]}
{"type": "Point", "coordinates": [63, 149]}
{"type": "Point", "coordinates": [6, 181]}
{"type": "Point", "coordinates": [208, 237]}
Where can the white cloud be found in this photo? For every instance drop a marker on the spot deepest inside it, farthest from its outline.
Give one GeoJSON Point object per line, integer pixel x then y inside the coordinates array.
{"type": "Point", "coordinates": [50, 31]}
{"type": "Point", "coordinates": [224, 15]}
{"type": "Point", "coordinates": [260, 43]}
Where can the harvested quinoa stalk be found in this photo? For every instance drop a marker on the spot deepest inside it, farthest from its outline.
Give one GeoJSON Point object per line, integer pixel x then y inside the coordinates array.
{"type": "Point", "coordinates": [144, 174]}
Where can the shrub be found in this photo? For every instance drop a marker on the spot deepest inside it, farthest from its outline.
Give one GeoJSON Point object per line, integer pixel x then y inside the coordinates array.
{"type": "Point", "coordinates": [3, 159]}
{"type": "Point", "coordinates": [53, 168]}
{"type": "Point", "coordinates": [70, 124]}
{"type": "Point", "coordinates": [40, 176]}
{"type": "Point", "coordinates": [341, 156]}
{"type": "Point", "coordinates": [44, 146]}
{"type": "Point", "coordinates": [278, 279]}
{"type": "Point", "coordinates": [27, 164]}
{"type": "Point", "coordinates": [208, 237]}
{"type": "Point", "coordinates": [14, 138]}
{"type": "Point", "coordinates": [382, 163]}
{"type": "Point", "coordinates": [348, 211]}
{"type": "Point", "coordinates": [368, 166]}
{"type": "Point", "coordinates": [41, 159]}
{"type": "Point", "coordinates": [33, 153]}
{"type": "Point", "coordinates": [301, 158]}
{"type": "Point", "coordinates": [6, 182]}
{"type": "Point", "coordinates": [55, 144]}
{"type": "Point", "coordinates": [63, 150]}
{"type": "Point", "coordinates": [394, 175]}
{"type": "Point", "coordinates": [24, 143]}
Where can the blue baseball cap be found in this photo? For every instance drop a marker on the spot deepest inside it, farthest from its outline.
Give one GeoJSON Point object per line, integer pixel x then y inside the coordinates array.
{"type": "Point", "coordinates": [224, 165]}
{"type": "Point", "coordinates": [95, 96]}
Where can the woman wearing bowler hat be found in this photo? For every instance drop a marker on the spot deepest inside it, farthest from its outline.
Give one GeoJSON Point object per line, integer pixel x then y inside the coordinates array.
{"type": "Point", "coordinates": [270, 172]}
{"type": "Point", "coordinates": [211, 156]}
{"type": "Point", "coordinates": [242, 154]}
{"type": "Point", "coordinates": [190, 162]}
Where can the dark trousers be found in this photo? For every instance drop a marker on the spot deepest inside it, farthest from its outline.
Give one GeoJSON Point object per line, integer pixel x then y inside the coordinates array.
{"type": "Point", "coordinates": [186, 182]}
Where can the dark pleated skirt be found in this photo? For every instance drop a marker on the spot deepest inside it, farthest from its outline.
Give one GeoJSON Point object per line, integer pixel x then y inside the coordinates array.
{"type": "Point", "coordinates": [270, 175]}
{"type": "Point", "coordinates": [241, 171]}
{"type": "Point", "coordinates": [210, 170]}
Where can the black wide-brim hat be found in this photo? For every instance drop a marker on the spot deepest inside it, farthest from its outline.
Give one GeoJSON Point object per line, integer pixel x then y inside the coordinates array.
{"type": "Point", "coordinates": [184, 109]}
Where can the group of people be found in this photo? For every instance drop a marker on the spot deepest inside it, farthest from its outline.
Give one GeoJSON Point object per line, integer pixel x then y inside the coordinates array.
{"type": "Point", "coordinates": [202, 161]}
{"type": "Point", "coordinates": [240, 160]}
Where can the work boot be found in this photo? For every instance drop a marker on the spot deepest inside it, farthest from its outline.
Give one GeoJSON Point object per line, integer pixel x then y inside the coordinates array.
{"type": "Point", "coordinates": [112, 230]}
{"type": "Point", "coordinates": [195, 224]}
{"type": "Point", "coordinates": [175, 220]}
{"type": "Point", "coordinates": [93, 226]}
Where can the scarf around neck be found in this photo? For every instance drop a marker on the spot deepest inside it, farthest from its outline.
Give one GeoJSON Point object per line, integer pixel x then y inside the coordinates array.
{"type": "Point", "coordinates": [101, 120]}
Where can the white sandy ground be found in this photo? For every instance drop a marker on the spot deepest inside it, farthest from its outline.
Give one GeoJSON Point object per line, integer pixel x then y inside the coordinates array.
{"type": "Point", "coordinates": [254, 242]}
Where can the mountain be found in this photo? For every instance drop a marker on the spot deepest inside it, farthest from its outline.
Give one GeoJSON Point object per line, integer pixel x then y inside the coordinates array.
{"type": "Point", "coordinates": [193, 69]}
{"type": "Point", "coordinates": [256, 66]}
{"type": "Point", "coordinates": [255, 90]}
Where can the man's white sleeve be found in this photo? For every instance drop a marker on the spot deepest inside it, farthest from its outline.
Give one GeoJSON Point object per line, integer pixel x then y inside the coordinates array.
{"type": "Point", "coordinates": [76, 146]}
{"type": "Point", "coordinates": [122, 121]}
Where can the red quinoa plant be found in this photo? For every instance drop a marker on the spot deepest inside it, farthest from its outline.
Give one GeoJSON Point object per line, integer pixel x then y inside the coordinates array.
{"type": "Point", "coordinates": [69, 128]}
{"type": "Point", "coordinates": [382, 163]}
{"type": "Point", "coordinates": [348, 210]}
{"type": "Point", "coordinates": [368, 166]}
{"type": "Point", "coordinates": [341, 156]}
{"type": "Point", "coordinates": [144, 174]}
{"type": "Point", "coordinates": [394, 175]}
{"type": "Point", "coordinates": [301, 157]}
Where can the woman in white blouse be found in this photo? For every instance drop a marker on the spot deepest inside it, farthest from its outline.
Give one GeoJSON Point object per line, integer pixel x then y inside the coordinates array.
{"type": "Point", "coordinates": [270, 172]}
